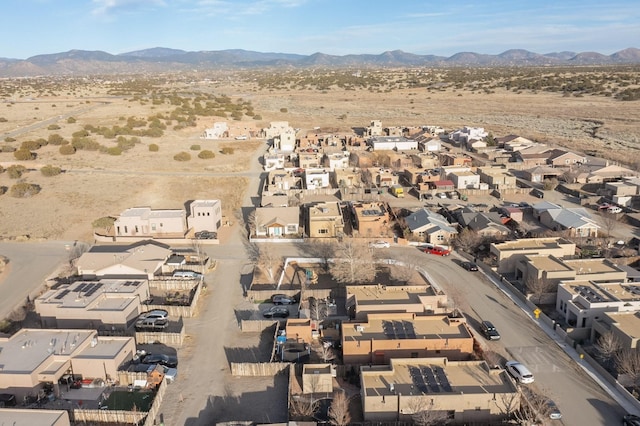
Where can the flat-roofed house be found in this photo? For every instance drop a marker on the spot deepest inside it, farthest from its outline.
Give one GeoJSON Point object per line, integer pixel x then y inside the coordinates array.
{"type": "Point", "coordinates": [205, 215]}
{"type": "Point", "coordinates": [317, 378]}
{"type": "Point", "coordinates": [371, 219]}
{"type": "Point", "coordinates": [384, 336]}
{"type": "Point", "coordinates": [316, 178]}
{"type": "Point", "coordinates": [363, 300]}
{"type": "Point", "coordinates": [144, 222]}
{"type": "Point", "coordinates": [466, 392]}
{"type": "Point", "coordinates": [392, 143]}
{"type": "Point", "coordinates": [218, 131]}
{"type": "Point", "coordinates": [32, 357]}
{"type": "Point", "coordinates": [324, 220]}
{"type": "Point", "coordinates": [99, 304]}
{"type": "Point", "coordinates": [624, 326]}
{"type": "Point", "coordinates": [34, 416]}
{"type": "Point", "coordinates": [509, 253]}
{"type": "Point", "coordinates": [140, 260]}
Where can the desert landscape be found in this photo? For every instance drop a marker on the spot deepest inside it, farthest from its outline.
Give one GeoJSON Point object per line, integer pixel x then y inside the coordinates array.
{"type": "Point", "coordinates": [136, 140]}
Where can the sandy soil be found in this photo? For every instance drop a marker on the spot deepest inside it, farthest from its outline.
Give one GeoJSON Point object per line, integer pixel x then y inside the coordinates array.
{"type": "Point", "coordinates": [96, 184]}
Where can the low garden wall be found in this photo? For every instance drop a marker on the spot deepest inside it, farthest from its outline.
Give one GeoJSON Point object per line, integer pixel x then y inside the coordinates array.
{"type": "Point", "coordinates": [260, 369]}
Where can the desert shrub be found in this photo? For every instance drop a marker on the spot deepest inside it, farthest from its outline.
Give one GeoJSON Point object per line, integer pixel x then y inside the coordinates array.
{"type": "Point", "coordinates": [24, 155]}
{"type": "Point", "coordinates": [53, 127]}
{"type": "Point", "coordinates": [284, 110]}
{"type": "Point", "coordinates": [3, 190]}
{"type": "Point", "coordinates": [126, 144]}
{"type": "Point", "coordinates": [7, 148]}
{"type": "Point", "coordinates": [16, 171]}
{"type": "Point", "coordinates": [55, 139]}
{"type": "Point", "coordinates": [85, 144]}
{"type": "Point", "coordinates": [114, 150]}
{"type": "Point", "coordinates": [71, 120]}
{"type": "Point", "coordinates": [154, 147]}
{"type": "Point", "coordinates": [182, 156]}
{"type": "Point", "coordinates": [67, 149]}
{"type": "Point", "coordinates": [104, 222]}
{"type": "Point", "coordinates": [3, 120]}
{"type": "Point", "coordinates": [227, 150]}
{"type": "Point", "coordinates": [50, 170]}
{"type": "Point", "coordinates": [195, 148]}
{"type": "Point", "coordinates": [80, 134]}
{"type": "Point", "coordinates": [257, 117]}
{"type": "Point", "coordinates": [206, 154]}
{"type": "Point", "coordinates": [24, 190]}
{"type": "Point", "coordinates": [9, 139]}
{"type": "Point", "coordinates": [33, 145]}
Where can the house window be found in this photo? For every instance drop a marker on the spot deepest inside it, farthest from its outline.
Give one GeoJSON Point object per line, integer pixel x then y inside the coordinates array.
{"type": "Point", "coordinates": [126, 231]}
{"type": "Point", "coordinates": [153, 226]}
{"type": "Point", "coordinates": [137, 228]}
{"type": "Point", "coordinates": [208, 213]}
{"type": "Point", "coordinates": [291, 229]}
{"type": "Point", "coordinates": [437, 351]}
{"type": "Point", "coordinates": [440, 238]}
{"type": "Point", "coordinates": [160, 224]}
{"type": "Point", "coordinates": [323, 231]}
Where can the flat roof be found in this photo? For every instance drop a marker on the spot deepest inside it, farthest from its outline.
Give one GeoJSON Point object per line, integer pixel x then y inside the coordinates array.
{"type": "Point", "coordinates": [84, 294]}
{"type": "Point", "coordinates": [105, 348]}
{"type": "Point", "coordinates": [548, 263]}
{"type": "Point", "coordinates": [627, 322]}
{"type": "Point", "coordinates": [591, 266]}
{"type": "Point", "coordinates": [23, 416]}
{"type": "Point", "coordinates": [325, 210]}
{"type": "Point", "coordinates": [434, 376]}
{"type": "Point", "coordinates": [532, 243]}
{"type": "Point", "coordinates": [374, 295]}
{"type": "Point", "coordinates": [29, 349]}
{"type": "Point", "coordinates": [404, 326]}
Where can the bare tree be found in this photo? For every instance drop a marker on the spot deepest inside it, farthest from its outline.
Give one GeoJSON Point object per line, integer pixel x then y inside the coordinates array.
{"type": "Point", "coordinates": [252, 225]}
{"type": "Point", "coordinates": [303, 406]}
{"type": "Point", "coordinates": [318, 310]}
{"type": "Point", "coordinates": [538, 286]}
{"type": "Point", "coordinates": [353, 263]}
{"type": "Point", "coordinates": [424, 412]}
{"type": "Point", "coordinates": [609, 223]}
{"type": "Point", "coordinates": [269, 261]}
{"type": "Point", "coordinates": [492, 358]}
{"type": "Point", "coordinates": [324, 250]}
{"type": "Point", "coordinates": [402, 273]}
{"type": "Point", "coordinates": [607, 346]}
{"type": "Point", "coordinates": [339, 411]}
{"type": "Point", "coordinates": [534, 407]}
{"type": "Point", "coordinates": [327, 354]}
{"type": "Point", "coordinates": [509, 404]}
{"type": "Point", "coordinates": [467, 240]}
{"type": "Point", "coordinates": [628, 363]}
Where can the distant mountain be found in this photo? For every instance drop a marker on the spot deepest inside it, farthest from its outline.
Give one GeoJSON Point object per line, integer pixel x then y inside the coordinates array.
{"type": "Point", "coordinates": [83, 62]}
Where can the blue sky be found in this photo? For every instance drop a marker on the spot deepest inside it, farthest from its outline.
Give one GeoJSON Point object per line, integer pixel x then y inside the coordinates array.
{"type": "Point", "coordinates": [339, 27]}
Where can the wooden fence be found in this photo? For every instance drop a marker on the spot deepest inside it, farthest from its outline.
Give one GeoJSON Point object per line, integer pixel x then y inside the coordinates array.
{"type": "Point", "coordinates": [174, 336]}
{"type": "Point", "coordinates": [256, 325]}
{"type": "Point", "coordinates": [108, 416]}
{"type": "Point", "coordinates": [157, 404]}
{"type": "Point", "coordinates": [260, 369]}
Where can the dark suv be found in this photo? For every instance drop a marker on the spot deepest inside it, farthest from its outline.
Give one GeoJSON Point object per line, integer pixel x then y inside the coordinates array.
{"type": "Point", "coordinates": [282, 299]}
{"type": "Point", "coordinates": [489, 331]}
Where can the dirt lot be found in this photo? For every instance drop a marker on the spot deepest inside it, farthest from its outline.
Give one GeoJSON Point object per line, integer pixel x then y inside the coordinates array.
{"type": "Point", "coordinates": [96, 184]}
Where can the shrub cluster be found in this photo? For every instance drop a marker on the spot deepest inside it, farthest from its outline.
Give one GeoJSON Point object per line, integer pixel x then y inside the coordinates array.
{"type": "Point", "coordinates": [227, 150]}
{"type": "Point", "coordinates": [206, 154]}
{"type": "Point", "coordinates": [182, 156]}
{"type": "Point", "coordinates": [50, 170]}
{"type": "Point", "coordinates": [24, 155]}
{"type": "Point", "coordinates": [24, 190]}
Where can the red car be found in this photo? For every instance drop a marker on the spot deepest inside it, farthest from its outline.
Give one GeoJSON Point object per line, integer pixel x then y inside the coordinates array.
{"type": "Point", "coordinates": [440, 251]}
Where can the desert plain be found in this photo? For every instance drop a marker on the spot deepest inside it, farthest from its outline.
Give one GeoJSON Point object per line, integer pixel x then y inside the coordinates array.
{"type": "Point", "coordinates": [97, 182]}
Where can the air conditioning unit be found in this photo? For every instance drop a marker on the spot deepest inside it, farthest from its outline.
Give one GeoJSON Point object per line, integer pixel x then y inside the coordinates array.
{"type": "Point", "coordinates": [359, 328]}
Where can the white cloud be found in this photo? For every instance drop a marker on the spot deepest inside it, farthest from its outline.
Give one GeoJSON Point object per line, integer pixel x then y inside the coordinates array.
{"type": "Point", "coordinates": [109, 7]}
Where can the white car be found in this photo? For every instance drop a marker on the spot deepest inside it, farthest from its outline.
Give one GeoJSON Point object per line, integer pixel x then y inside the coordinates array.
{"type": "Point", "coordinates": [519, 372]}
{"type": "Point", "coordinates": [380, 244]}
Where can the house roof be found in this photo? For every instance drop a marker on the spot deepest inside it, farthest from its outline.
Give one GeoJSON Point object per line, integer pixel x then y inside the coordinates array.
{"type": "Point", "coordinates": [142, 258]}
{"type": "Point", "coordinates": [479, 221]}
{"type": "Point", "coordinates": [270, 216]}
{"type": "Point", "coordinates": [425, 219]}
{"type": "Point", "coordinates": [571, 218]}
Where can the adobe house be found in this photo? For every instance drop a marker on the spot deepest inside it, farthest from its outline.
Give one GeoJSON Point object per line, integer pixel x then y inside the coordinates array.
{"type": "Point", "coordinates": [317, 378]}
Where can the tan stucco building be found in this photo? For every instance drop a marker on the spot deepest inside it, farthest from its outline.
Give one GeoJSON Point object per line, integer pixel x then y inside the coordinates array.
{"type": "Point", "coordinates": [31, 417]}
{"type": "Point", "coordinates": [324, 220]}
{"type": "Point", "coordinates": [509, 253]}
{"type": "Point", "coordinates": [371, 219]}
{"type": "Point", "coordinates": [385, 336]}
{"type": "Point", "coordinates": [363, 300]}
{"type": "Point", "coordinates": [466, 392]}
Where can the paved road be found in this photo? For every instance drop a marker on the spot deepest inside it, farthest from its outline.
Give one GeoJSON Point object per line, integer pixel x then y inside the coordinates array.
{"type": "Point", "coordinates": [30, 264]}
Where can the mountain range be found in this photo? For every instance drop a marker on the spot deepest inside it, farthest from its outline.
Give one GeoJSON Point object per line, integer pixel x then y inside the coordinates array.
{"type": "Point", "coordinates": [158, 59]}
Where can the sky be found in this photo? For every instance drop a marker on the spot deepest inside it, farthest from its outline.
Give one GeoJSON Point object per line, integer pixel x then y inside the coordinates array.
{"type": "Point", "coordinates": [336, 27]}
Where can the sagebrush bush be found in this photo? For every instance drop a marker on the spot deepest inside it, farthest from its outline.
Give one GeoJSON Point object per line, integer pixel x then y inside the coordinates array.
{"type": "Point", "coordinates": [67, 149]}
{"type": "Point", "coordinates": [114, 150]}
{"type": "Point", "coordinates": [16, 171]}
{"type": "Point", "coordinates": [195, 148]}
{"type": "Point", "coordinates": [50, 170]}
{"type": "Point", "coordinates": [9, 139]}
{"type": "Point", "coordinates": [24, 155]}
{"type": "Point", "coordinates": [71, 120]}
{"type": "Point", "coordinates": [182, 156]}
{"type": "Point", "coordinates": [154, 147]}
{"type": "Point", "coordinates": [7, 148]}
{"type": "Point", "coordinates": [55, 139]}
{"type": "Point", "coordinates": [33, 145]}
{"type": "Point", "coordinates": [227, 150]}
{"type": "Point", "coordinates": [206, 154]}
{"type": "Point", "coordinates": [24, 190]}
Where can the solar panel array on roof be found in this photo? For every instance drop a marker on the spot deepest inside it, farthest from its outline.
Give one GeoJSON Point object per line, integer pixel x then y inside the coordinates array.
{"type": "Point", "coordinates": [94, 288]}
{"type": "Point", "coordinates": [132, 283]}
{"type": "Point", "coordinates": [430, 380]}
{"type": "Point", "coordinates": [62, 294]}
{"type": "Point", "coordinates": [80, 287]}
{"type": "Point", "coordinates": [398, 329]}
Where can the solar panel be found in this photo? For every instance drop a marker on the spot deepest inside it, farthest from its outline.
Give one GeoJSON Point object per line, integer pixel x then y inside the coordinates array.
{"type": "Point", "coordinates": [409, 330]}
{"type": "Point", "coordinates": [80, 286]}
{"type": "Point", "coordinates": [63, 294]}
{"type": "Point", "coordinates": [430, 379]}
{"type": "Point", "coordinates": [88, 287]}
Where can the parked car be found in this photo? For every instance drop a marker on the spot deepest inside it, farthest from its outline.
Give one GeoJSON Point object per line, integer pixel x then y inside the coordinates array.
{"type": "Point", "coordinates": [192, 275]}
{"type": "Point", "coordinates": [554, 411]}
{"type": "Point", "coordinates": [441, 195]}
{"type": "Point", "coordinates": [171, 374]}
{"type": "Point", "coordinates": [631, 420]}
{"type": "Point", "coordinates": [380, 244]}
{"type": "Point", "coordinates": [7, 400]}
{"type": "Point", "coordinates": [162, 359]}
{"type": "Point", "coordinates": [155, 313]}
{"type": "Point", "coordinates": [276, 312]}
{"type": "Point", "coordinates": [537, 193]}
{"type": "Point", "coordinates": [151, 324]}
{"type": "Point", "coordinates": [205, 235]}
{"type": "Point", "coordinates": [282, 299]}
{"type": "Point", "coordinates": [519, 372]}
{"type": "Point", "coordinates": [437, 250]}
{"type": "Point", "coordinates": [470, 266]}
{"type": "Point", "coordinates": [489, 331]}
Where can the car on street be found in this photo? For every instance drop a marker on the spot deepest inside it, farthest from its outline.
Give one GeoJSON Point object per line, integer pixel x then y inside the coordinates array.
{"type": "Point", "coordinates": [631, 420]}
{"type": "Point", "coordinates": [489, 330]}
{"type": "Point", "coordinates": [282, 299]}
{"type": "Point", "coordinates": [205, 235]}
{"type": "Point", "coordinates": [519, 372]}
{"type": "Point", "coordinates": [276, 312]}
{"type": "Point", "coordinates": [553, 410]}
{"type": "Point", "coordinates": [380, 244]}
{"type": "Point", "coordinates": [437, 250]}
{"type": "Point", "coordinates": [162, 359]}
{"type": "Point", "coordinates": [470, 266]}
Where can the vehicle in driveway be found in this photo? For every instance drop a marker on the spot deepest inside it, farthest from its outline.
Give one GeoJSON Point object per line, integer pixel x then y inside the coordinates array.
{"type": "Point", "coordinates": [470, 266]}
{"type": "Point", "coordinates": [537, 193]}
{"type": "Point", "coordinates": [282, 299]}
{"type": "Point", "coordinates": [151, 324]}
{"type": "Point", "coordinates": [205, 235]}
{"type": "Point", "coordinates": [155, 313]}
{"type": "Point", "coordinates": [191, 275]}
{"type": "Point", "coordinates": [519, 372]}
{"type": "Point", "coordinates": [489, 331]}
{"type": "Point", "coordinates": [162, 359]}
{"type": "Point", "coordinates": [380, 244]}
{"type": "Point", "coordinates": [276, 312]}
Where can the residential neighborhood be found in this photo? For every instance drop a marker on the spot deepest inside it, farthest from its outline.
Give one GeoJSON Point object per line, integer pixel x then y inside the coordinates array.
{"type": "Point", "coordinates": [397, 275]}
